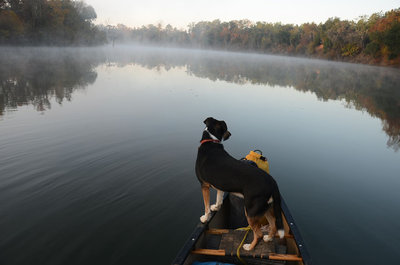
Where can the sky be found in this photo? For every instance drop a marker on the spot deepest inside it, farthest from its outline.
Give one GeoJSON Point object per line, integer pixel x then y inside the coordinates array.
{"type": "Point", "coordinates": [180, 13]}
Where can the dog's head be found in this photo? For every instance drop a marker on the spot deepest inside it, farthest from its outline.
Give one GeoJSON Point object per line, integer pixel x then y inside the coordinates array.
{"type": "Point", "coordinates": [217, 128]}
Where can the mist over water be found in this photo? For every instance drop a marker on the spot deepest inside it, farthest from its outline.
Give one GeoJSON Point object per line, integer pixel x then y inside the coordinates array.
{"type": "Point", "coordinates": [97, 150]}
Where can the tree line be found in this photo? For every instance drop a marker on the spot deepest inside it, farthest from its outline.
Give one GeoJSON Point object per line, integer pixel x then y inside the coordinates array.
{"type": "Point", "coordinates": [48, 22]}
{"type": "Point", "coordinates": [371, 39]}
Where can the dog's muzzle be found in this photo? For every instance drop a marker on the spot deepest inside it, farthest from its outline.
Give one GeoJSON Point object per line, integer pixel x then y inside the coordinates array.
{"type": "Point", "coordinates": [226, 135]}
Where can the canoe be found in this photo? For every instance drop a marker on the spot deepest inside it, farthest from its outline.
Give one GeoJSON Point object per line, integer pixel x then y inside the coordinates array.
{"type": "Point", "coordinates": [218, 240]}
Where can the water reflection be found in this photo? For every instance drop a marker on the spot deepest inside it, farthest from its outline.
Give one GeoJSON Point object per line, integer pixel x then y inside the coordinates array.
{"type": "Point", "coordinates": [365, 88]}
{"type": "Point", "coordinates": [36, 75]}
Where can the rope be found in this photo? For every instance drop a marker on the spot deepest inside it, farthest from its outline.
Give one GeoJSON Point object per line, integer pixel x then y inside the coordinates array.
{"type": "Point", "coordinates": [247, 229]}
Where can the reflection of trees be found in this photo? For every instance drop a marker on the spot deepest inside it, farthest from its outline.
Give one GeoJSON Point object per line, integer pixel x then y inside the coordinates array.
{"type": "Point", "coordinates": [372, 89]}
{"type": "Point", "coordinates": [35, 76]}
{"type": "Point", "coordinates": [376, 90]}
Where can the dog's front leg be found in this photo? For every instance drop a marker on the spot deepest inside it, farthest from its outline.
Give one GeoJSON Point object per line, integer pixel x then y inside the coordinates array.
{"type": "Point", "coordinates": [206, 197]}
{"type": "Point", "coordinates": [218, 203]}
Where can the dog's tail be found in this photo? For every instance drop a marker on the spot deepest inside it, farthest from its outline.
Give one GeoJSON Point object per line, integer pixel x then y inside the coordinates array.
{"type": "Point", "coordinates": [276, 196]}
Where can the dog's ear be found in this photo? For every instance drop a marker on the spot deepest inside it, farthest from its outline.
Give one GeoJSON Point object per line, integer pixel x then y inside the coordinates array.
{"type": "Point", "coordinates": [224, 126]}
{"type": "Point", "coordinates": [208, 121]}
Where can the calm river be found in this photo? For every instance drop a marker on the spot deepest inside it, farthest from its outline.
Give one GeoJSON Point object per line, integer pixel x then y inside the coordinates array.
{"type": "Point", "coordinates": [97, 150]}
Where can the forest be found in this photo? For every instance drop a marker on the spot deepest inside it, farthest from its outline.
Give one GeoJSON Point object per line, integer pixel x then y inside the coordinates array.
{"type": "Point", "coordinates": [48, 22]}
{"type": "Point", "coordinates": [373, 39]}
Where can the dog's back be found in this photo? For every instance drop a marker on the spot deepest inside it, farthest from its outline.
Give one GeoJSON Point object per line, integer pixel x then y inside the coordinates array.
{"type": "Point", "coordinates": [217, 168]}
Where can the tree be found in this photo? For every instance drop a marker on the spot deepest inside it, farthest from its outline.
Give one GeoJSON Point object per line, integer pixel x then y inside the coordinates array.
{"type": "Point", "coordinates": [50, 22]}
{"type": "Point", "coordinates": [11, 27]}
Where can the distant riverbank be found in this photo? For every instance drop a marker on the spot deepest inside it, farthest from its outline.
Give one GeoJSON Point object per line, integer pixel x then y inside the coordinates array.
{"type": "Point", "coordinates": [371, 39]}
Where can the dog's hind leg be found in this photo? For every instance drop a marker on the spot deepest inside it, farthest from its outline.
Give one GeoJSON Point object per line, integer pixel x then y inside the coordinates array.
{"type": "Point", "coordinates": [218, 203]}
{"type": "Point", "coordinates": [272, 226]}
{"type": "Point", "coordinates": [255, 225]}
{"type": "Point", "coordinates": [205, 188]}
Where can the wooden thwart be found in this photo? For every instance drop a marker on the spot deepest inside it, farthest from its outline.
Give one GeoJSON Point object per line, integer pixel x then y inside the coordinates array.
{"type": "Point", "coordinates": [217, 231]}
{"type": "Point", "coordinates": [286, 235]}
{"type": "Point", "coordinates": [286, 257]}
{"type": "Point", "coordinates": [271, 256]}
{"type": "Point", "coordinates": [211, 252]}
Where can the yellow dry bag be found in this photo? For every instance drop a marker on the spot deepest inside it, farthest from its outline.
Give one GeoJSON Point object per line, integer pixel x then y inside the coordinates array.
{"type": "Point", "coordinates": [257, 157]}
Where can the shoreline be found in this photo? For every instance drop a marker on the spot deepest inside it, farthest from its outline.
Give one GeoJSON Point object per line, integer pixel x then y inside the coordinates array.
{"type": "Point", "coordinates": [359, 60]}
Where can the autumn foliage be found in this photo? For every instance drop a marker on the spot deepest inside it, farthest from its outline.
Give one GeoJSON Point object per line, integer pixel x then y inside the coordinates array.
{"type": "Point", "coordinates": [48, 22]}
{"type": "Point", "coordinates": [374, 39]}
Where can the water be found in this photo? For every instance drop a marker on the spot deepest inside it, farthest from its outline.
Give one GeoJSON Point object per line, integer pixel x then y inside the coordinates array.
{"type": "Point", "coordinates": [97, 150]}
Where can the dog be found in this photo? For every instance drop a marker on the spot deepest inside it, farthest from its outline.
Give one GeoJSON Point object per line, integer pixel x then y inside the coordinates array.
{"type": "Point", "coordinates": [217, 169]}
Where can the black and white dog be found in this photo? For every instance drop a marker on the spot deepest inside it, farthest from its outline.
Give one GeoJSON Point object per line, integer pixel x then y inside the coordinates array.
{"type": "Point", "coordinates": [216, 168]}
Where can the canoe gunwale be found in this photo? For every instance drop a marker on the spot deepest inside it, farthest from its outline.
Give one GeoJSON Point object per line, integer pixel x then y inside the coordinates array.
{"type": "Point", "coordinates": [296, 233]}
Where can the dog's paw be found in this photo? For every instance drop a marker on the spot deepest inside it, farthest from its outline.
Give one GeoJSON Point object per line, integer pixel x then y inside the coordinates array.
{"type": "Point", "coordinates": [246, 247]}
{"type": "Point", "coordinates": [204, 218]}
{"type": "Point", "coordinates": [281, 233]}
{"type": "Point", "coordinates": [215, 207]}
{"type": "Point", "coordinates": [267, 238]}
